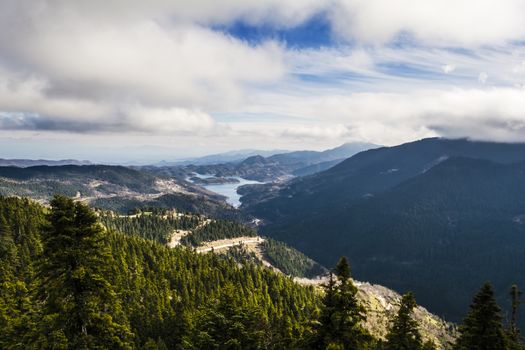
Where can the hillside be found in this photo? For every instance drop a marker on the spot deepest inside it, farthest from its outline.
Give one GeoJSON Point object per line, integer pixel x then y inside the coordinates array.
{"type": "Point", "coordinates": [168, 296]}
{"type": "Point", "coordinates": [111, 187]}
{"type": "Point", "coordinates": [239, 243]}
{"type": "Point", "coordinates": [440, 234]}
{"type": "Point", "coordinates": [365, 174]}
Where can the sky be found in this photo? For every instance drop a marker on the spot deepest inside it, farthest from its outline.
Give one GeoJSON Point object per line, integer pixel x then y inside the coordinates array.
{"type": "Point", "coordinates": [133, 80]}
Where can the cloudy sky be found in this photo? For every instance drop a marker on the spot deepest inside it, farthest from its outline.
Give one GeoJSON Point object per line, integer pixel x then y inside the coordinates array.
{"type": "Point", "coordinates": [147, 80]}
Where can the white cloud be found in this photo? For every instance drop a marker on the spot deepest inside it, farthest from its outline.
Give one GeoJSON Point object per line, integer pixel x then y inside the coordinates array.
{"type": "Point", "coordinates": [392, 118]}
{"type": "Point", "coordinates": [448, 68]}
{"type": "Point", "coordinates": [156, 68]}
{"type": "Point", "coordinates": [171, 120]}
{"type": "Point", "coordinates": [441, 23]}
{"type": "Point", "coordinates": [91, 63]}
{"type": "Point", "coordinates": [482, 78]}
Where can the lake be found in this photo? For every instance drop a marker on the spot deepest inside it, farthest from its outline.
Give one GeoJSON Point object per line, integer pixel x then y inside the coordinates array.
{"type": "Point", "coordinates": [228, 190]}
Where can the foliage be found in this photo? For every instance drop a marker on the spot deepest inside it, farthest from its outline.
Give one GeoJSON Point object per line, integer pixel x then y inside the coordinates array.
{"type": "Point", "coordinates": [215, 230]}
{"type": "Point", "coordinates": [461, 212]}
{"type": "Point", "coordinates": [340, 322]}
{"type": "Point", "coordinates": [78, 302]}
{"type": "Point", "coordinates": [156, 226]}
{"type": "Point", "coordinates": [404, 334]}
{"type": "Point", "coordinates": [290, 261]}
{"type": "Point", "coordinates": [482, 328]}
{"type": "Point", "coordinates": [144, 295]}
{"type": "Point", "coordinates": [184, 203]}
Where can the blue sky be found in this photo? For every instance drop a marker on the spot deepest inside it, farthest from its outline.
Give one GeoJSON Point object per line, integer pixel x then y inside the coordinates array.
{"type": "Point", "coordinates": [170, 79]}
{"type": "Point", "coordinates": [315, 32]}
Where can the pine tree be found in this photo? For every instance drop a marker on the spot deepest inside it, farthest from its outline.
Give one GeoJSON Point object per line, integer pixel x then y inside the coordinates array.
{"type": "Point", "coordinates": [514, 337]}
{"type": "Point", "coordinates": [342, 315]}
{"type": "Point", "coordinates": [482, 328]}
{"type": "Point", "coordinates": [230, 325]}
{"type": "Point", "coordinates": [404, 334]}
{"type": "Point", "coordinates": [81, 310]}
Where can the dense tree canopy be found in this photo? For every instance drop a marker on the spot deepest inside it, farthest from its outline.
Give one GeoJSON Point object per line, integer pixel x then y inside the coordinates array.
{"type": "Point", "coordinates": [68, 283]}
{"type": "Point", "coordinates": [110, 290]}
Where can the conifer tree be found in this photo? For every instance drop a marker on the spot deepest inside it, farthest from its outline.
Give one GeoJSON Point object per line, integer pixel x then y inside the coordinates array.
{"type": "Point", "coordinates": [404, 334]}
{"type": "Point", "coordinates": [326, 330]}
{"type": "Point", "coordinates": [342, 315]}
{"type": "Point", "coordinates": [482, 328]}
{"type": "Point", "coordinates": [514, 337]}
{"type": "Point", "coordinates": [80, 310]}
{"type": "Point", "coordinates": [230, 325]}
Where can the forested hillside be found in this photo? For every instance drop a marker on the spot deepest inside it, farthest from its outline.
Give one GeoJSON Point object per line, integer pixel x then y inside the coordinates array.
{"type": "Point", "coordinates": [160, 225]}
{"type": "Point", "coordinates": [114, 188]}
{"type": "Point", "coordinates": [69, 284]}
{"type": "Point", "coordinates": [441, 234]}
{"type": "Point", "coordinates": [158, 297]}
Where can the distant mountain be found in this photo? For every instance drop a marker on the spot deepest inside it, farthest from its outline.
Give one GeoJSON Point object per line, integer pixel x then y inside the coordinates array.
{"type": "Point", "coordinates": [226, 157]}
{"type": "Point", "coordinates": [438, 217]}
{"type": "Point", "coordinates": [281, 165]}
{"type": "Point", "coordinates": [112, 187]}
{"type": "Point", "coordinates": [23, 163]}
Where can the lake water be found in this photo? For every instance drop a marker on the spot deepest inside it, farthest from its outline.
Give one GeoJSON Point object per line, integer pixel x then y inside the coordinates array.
{"type": "Point", "coordinates": [228, 190]}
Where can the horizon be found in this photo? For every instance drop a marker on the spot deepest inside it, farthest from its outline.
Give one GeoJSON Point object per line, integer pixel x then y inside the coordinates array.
{"type": "Point", "coordinates": [152, 161]}
{"type": "Point", "coordinates": [127, 81]}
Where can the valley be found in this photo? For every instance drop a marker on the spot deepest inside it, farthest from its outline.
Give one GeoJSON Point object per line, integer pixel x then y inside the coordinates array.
{"type": "Point", "coordinates": [381, 303]}
{"type": "Point", "coordinates": [405, 216]}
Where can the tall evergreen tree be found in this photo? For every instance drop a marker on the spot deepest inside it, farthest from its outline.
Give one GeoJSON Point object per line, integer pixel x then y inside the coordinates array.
{"type": "Point", "coordinates": [342, 315]}
{"type": "Point", "coordinates": [515, 340]}
{"type": "Point", "coordinates": [404, 334]}
{"type": "Point", "coordinates": [482, 328]}
{"type": "Point", "coordinates": [326, 329]}
{"type": "Point", "coordinates": [80, 310]}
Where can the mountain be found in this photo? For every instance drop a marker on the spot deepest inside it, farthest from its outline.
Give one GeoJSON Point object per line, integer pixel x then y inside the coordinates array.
{"type": "Point", "coordinates": [111, 187]}
{"type": "Point", "coordinates": [277, 166]}
{"type": "Point", "coordinates": [226, 157]}
{"type": "Point", "coordinates": [366, 174]}
{"type": "Point", "coordinates": [23, 163]}
{"type": "Point", "coordinates": [173, 297]}
{"type": "Point", "coordinates": [438, 217]}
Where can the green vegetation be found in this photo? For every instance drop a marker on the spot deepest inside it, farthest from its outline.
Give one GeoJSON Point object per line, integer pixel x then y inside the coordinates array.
{"type": "Point", "coordinates": [340, 323]}
{"type": "Point", "coordinates": [482, 328]}
{"type": "Point", "coordinates": [404, 334]}
{"type": "Point", "coordinates": [79, 307]}
{"type": "Point", "coordinates": [462, 212]}
{"type": "Point", "coordinates": [215, 230]}
{"type": "Point", "coordinates": [69, 284]}
{"type": "Point", "coordinates": [241, 255]}
{"type": "Point", "coordinates": [156, 295]}
{"type": "Point", "coordinates": [184, 203]}
{"type": "Point", "coordinates": [290, 261]}
{"type": "Point", "coordinates": [42, 182]}
{"type": "Point", "coordinates": [156, 226]}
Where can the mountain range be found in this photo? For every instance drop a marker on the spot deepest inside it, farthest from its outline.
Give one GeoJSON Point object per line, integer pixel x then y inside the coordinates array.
{"type": "Point", "coordinates": [436, 216]}
{"type": "Point", "coordinates": [277, 166]}
{"type": "Point", "coordinates": [23, 163]}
